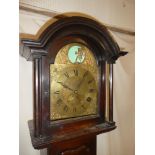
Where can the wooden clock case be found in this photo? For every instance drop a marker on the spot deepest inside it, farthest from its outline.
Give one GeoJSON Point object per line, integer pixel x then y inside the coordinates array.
{"type": "Point", "coordinates": [75, 136]}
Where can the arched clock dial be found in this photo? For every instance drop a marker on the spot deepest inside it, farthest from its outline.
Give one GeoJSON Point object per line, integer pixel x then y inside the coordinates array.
{"type": "Point", "coordinates": [73, 92]}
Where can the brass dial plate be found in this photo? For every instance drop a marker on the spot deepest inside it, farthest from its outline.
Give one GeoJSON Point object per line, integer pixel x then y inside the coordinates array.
{"type": "Point", "coordinates": [73, 91]}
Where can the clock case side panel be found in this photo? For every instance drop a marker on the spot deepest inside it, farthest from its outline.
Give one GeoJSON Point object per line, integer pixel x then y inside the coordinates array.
{"type": "Point", "coordinates": [85, 31]}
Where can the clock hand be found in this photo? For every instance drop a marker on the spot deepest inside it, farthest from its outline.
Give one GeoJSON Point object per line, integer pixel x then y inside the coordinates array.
{"type": "Point", "coordinates": [65, 86]}
{"type": "Point", "coordinates": [84, 75]}
{"type": "Point", "coordinates": [79, 84]}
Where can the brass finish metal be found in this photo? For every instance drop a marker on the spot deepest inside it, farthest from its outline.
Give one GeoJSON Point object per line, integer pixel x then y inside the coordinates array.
{"type": "Point", "coordinates": [73, 91]}
{"type": "Point", "coordinates": [62, 56]}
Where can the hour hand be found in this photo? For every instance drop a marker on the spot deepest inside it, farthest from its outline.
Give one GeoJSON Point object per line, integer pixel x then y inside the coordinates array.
{"type": "Point", "coordinates": [79, 84]}
{"type": "Point", "coordinates": [84, 75]}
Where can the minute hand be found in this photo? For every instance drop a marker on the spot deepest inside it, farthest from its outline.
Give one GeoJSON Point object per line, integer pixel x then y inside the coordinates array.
{"type": "Point", "coordinates": [65, 86]}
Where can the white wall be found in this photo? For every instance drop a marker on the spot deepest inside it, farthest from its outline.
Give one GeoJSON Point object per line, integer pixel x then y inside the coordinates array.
{"type": "Point", "coordinates": [115, 12]}
{"type": "Point", "coordinates": [25, 106]}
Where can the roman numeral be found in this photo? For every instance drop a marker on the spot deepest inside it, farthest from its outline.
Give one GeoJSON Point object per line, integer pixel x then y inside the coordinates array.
{"type": "Point", "coordinates": [74, 109]}
{"type": "Point", "coordinates": [65, 108]}
{"type": "Point", "coordinates": [91, 90]}
{"type": "Point", "coordinates": [59, 101]}
{"type": "Point", "coordinates": [57, 92]}
{"type": "Point", "coordinates": [66, 74]}
{"type": "Point", "coordinates": [90, 81]}
{"type": "Point", "coordinates": [85, 74]}
{"type": "Point", "coordinates": [83, 107]}
{"type": "Point", "coordinates": [76, 72]}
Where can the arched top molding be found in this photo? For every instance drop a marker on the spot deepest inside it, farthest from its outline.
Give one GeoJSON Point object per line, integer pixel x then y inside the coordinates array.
{"type": "Point", "coordinates": [33, 46]}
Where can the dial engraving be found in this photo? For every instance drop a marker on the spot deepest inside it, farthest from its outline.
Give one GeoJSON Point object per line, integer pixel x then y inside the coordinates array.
{"type": "Point", "coordinates": [66, 74]}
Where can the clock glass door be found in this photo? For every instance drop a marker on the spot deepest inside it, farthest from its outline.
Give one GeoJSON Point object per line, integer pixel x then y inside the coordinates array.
{"type": "Point", "coordinates": [74, 83]}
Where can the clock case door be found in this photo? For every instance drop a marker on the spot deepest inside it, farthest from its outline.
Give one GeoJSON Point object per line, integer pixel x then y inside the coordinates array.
{"type": "Point", "coordinates": [42, 51]}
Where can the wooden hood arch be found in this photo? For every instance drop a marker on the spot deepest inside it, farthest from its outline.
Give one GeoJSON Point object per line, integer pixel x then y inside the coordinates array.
{"type": "Point", "coordinates": [80, 24]}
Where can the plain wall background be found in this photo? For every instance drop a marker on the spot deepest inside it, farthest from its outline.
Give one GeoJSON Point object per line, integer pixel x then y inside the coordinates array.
{"type": "Point", "coordinates": [114, 12]}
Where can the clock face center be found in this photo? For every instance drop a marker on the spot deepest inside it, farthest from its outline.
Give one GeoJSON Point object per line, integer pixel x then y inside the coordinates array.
{"type": "Point", "coordinates": [75, 91]}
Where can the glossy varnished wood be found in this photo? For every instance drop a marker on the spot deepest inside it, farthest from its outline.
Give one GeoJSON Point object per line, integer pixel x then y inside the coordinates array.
{"type": "Point", "coordinates": [37, 96]}
{"type": "Point", "coordinates": [111, 94]}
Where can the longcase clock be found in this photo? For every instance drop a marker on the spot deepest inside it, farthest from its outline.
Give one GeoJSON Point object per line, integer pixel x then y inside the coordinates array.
{"type": "Point", "coordinates": [73, 61]}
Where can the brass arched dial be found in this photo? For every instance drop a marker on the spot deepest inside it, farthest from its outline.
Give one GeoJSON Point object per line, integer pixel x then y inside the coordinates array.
{"type": "Point", "coordinates": [73, 92]}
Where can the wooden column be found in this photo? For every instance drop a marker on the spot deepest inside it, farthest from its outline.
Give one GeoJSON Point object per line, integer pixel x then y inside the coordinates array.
{"type": "Point", "coordinates": [37, 96]}
{"type": "Point", "coordinates": [111, 93]}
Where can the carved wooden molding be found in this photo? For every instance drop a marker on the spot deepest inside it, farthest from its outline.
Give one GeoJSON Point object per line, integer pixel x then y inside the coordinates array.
{"type": "Point", "coordinates": [50, 28]}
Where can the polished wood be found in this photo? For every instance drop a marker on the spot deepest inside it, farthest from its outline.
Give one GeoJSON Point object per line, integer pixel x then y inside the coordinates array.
{"type": "Point", "coordinates": [111, 94]}
{"type": "Point", "coordinates": [46, 141]}
{"type": "Point", "coordinates": [78, 146]}
{"type": "Point", "coordinates": [37, 96]}
{"type": "Point", "coordinates": [82, 26]}
{"type": "Point", "coordinates": [74, 135]}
